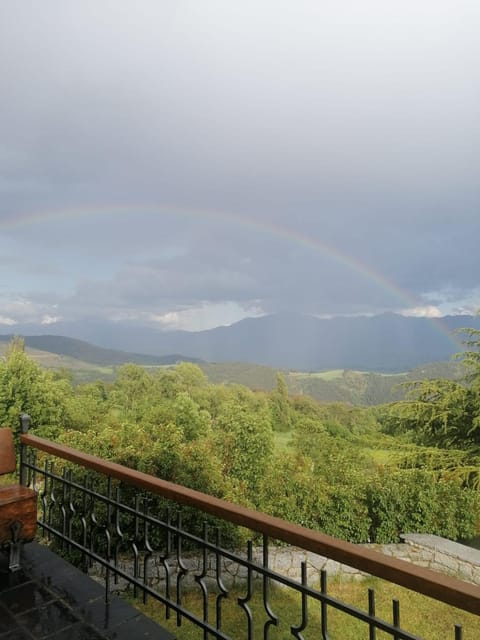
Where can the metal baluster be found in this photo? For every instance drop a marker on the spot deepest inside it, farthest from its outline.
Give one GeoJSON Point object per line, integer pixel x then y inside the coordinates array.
{"type": "Point", "coordinates": [83, 521]}
{"type": "Point", "coordinates": [71, 509]}
{"type": "Point", "coordinates": [93, 520]}
{"type": "Point", "coordinates": [218, 577]}
{"type": "Point", "coordinates": [458, 632]}
{"type": "Point", "coordinates": [371, 612]}
{"type": "Point", "coordinates": [63, 509]}
{"type": "Point", "coordinates": [200, 579]}
{"type": "Point", "coordinates": [135, 544]}
{"type": "Point", "coordinates": [108, 537]}
{"type": "Point", "coordinates": [296, 631]}
{"type": "Point", "coordinates": [24, 427]}
{"type": "Point", "coordinates": [273, 620]}
{"type": "Point", "coordinates": [148, 551]}
{"type": "Point", "coordinates": [33, 460]}
{"type": "Point", "coordinates": [52, 500]}
{"type": "Point", "coordinates": [243, 602]}
{"type": "Point", "coordinates": [118, 533]}
{"type": "Point", "coordinates": [182, 568]}
{"type": "Point", "coordinates": [43, 496]}
{"type": "Point", "coordinates": [164, 561]}
{"type": "Point", "coordinates": [396, 616]}
{"type": "Point", "coordinates": [324, 606]}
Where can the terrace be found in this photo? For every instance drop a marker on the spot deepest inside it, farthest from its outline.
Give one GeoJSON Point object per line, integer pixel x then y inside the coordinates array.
{"type": "Point", "coordinates": [204, 563]}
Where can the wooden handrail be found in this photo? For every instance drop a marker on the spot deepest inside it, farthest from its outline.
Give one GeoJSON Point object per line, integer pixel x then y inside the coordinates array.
{"type": "Point", "coordinates": [449, 590]}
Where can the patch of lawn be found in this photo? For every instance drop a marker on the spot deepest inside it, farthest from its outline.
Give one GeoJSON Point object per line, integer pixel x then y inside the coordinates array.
{"type": "Point", "coordinates": [282, 440]}
{"type": "Point", "coordinates": [332, 374]}
{"type": "Point", "coordinates": [419, 615]}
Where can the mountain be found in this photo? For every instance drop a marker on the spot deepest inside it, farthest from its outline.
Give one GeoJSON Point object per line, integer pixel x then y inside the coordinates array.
{"type": "Point", "coordinates": [86, 352]}
{"type": "Point", "coordinates": [387, 342]}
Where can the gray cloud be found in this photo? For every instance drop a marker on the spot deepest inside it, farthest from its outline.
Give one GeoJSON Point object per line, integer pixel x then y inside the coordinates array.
{"type": "Point", "coordinates": [316, 156]}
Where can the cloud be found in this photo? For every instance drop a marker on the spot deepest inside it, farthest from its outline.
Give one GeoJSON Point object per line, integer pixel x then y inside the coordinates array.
{"type": "Point", "coordinates": [321, 157]}
{"type": "Point", "coordinates": [50, 319]}
{"type": "Point", "coordinates": [18, 310]}
{"type": "Point", "coordinates": [422, 312]}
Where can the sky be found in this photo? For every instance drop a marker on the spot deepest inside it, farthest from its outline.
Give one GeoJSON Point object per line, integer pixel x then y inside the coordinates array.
{"type": "Point", "coordinates": [185, 164]}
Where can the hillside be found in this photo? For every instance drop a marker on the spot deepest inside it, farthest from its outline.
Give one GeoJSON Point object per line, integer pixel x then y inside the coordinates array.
{"type": "Point", "coordinates": [388, 343]}
{"type": "Point", "coordinates": [86, 352]}
{"type": "Point", "coordinates": [335, 385]}
{"type": "Point", "coordinates": [86, 362]}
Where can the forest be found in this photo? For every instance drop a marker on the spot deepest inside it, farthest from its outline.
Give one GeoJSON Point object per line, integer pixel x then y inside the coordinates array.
{"type": "Point", "coordinates": [363, 474]}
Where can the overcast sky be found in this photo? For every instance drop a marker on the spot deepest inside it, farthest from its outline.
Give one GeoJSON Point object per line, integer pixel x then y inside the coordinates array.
{"type": "Point", "coordinates": [184, 164]}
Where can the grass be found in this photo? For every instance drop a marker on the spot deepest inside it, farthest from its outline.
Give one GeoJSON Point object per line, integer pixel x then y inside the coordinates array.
{"type": "Point", "coordinates": [331, 374]}
{"type": "Point", "coordinates": [382, 456]}
{"type": "Point", "coordinates": [282, 440]}
{"type": "Point", "coordinates": [419, 615]}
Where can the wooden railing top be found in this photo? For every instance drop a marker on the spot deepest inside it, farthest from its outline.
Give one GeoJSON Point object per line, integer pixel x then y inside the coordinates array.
{"type": "Point", "coordinates": [447, 589]}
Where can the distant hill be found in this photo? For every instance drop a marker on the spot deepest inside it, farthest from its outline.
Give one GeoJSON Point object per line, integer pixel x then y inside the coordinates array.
{"type": "Point", "coordinates": [385, 343]}
{"type": "Point", "coordinates": [86, 362]}
{"type": "Point", "coordinates": [86, 352]}
{"type": "Point", "coordinates": [337, 385]}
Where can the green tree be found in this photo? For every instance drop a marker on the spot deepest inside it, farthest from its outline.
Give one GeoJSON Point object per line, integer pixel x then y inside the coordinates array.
{"type": "Point", "coordinates": [131, 392]}
{"type": "Point", "coordinates": [244, 438]}
{"type": "Point", "coordinates": [290, 491]}
{"type": "Point", "coordinates": [281, 414]}
{"type": "Point", "coordinates": [26, 388]}
{"type": "Point", "coordinates": [307, 437]}
{"type": "Point", "coordinates": [420, 501]}
{"type": "Point", "coordinates": [189, 376]}
{"type": "Point", "coordinates": [441, 412]}
{"type": "Point", "coordinates": [194, 421]}
{"type": "Point", "coordinates": [471, 357]}
{"type": "Point", "coordinates": [87, 407]}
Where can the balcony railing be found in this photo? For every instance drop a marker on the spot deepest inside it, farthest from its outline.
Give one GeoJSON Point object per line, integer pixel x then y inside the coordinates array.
{"type": "Point", "coordinates": [146, 531]}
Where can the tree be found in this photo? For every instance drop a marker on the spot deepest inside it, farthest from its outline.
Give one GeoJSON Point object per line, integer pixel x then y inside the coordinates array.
{"type": "Point", "coordinates": [189, 376]}
{"type": "Point", "coordinates": [87, 406]}
{"type": "Point", "coordinates": [471, 358]}
{"type": "Point", "coordinates": [290, 491]}
{"type": "Point", "coordinates": [245, 441]}
{"type": "Point", "coordinates": [442, 412]}
{"type": "Point", "coordinates": [281, 413]}
{"type": "Point", "coordinates": [423, 501]}
{"type": "Point", "coordinates": [26, 388]}
{"type": "Point", "coordinates": [131, 391]}
{"type": "Point", "coordinates": [307, 437]}
{"type": "Point", "coordinates": [189, 417]}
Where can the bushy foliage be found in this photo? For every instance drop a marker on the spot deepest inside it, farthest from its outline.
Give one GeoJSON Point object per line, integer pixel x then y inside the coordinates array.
{"type": "Point", "coordinates": [440, 412]}
{"type": "Point", "coordinates": [290, 491]}
{"type": "Point", "coordinates": [280, 406]}
{"type": "Point", "coordinates": [26, 388]}
{"type": "Point", "coordinates": [244, 438]}
{"type": "Point", "coordinates": [220, 439]}
{"type": "Point", "coordinates": [420, 501]}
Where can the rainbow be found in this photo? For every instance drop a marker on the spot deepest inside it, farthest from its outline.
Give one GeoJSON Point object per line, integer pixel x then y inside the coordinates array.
{"type": "Point", "coordinates": [289, 234]}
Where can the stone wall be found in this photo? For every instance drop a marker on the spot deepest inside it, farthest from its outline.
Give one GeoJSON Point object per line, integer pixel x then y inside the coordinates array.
{"type": "Point", "coordinates": [444, 556]}
{"type": "Point", "coordinates": [429, 551]}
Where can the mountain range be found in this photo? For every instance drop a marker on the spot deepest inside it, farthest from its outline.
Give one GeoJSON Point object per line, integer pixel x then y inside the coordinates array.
{"type": "Point", "coordinates": [386, 343]}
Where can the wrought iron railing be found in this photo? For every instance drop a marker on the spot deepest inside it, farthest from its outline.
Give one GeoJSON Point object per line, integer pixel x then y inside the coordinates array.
{"type": "Point", "coordinates": [101, 512]}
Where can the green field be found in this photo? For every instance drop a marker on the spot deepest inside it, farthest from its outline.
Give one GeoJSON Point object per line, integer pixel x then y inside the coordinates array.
{"type": "Point", "coordinates": [420, 615]}
{"type": "Point", "coordinates": [332, 374]}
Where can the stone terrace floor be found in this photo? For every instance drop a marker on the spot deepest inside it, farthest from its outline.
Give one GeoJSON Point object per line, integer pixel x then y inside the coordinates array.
{"type": "Point", "coordinates": [49, 599]}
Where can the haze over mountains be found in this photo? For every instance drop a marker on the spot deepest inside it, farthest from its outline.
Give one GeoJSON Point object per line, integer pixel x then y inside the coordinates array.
{"type": "Point", "coordinates": [387, 342]}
